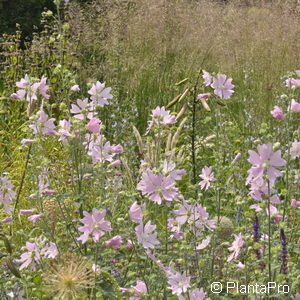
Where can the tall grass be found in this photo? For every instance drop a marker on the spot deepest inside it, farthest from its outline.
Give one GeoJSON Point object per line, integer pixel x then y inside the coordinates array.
{"type": "Point", "coordinates": [143, 47]}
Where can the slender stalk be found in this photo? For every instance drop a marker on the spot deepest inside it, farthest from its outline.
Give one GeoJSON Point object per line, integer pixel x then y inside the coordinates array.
{"type": "Point", "coordinates": [22, 178]}
{"type": "Point", "coordinates": [269, 233]}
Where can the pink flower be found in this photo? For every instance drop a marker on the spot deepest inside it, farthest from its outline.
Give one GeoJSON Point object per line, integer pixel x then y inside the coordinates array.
{"type": "Point", "coordinates": [264, 162]}
{"type": "Point", "coordinates": [237, 158]}
{"type": "Point", "coordinates": [237, 244]}
{"type": "Point", "coordinates": [178, 283]}
{"type": "Point", "coordinates": [26, 142]}
{"type": "Point", "coordinates": [75, 88]}
{"type": "Point", "coordinates": [34, 218]}
{"type": "Point", "coordinates": [94, 224]}
{"type": "Point", "coordinates": [203, 96]}
{"type": "Point", "coordinates": [204, 243]}
{"type": "Point", "coordinates": [207, 78]}
{"type": "Point", "coordinates": [114, 242]}
{"type": "Point", "coordinates": [175, 228]}
{"type": "Point", "coordinates": [208, 176]}
{"type": "Point", "coordinates": [31, 257]}
{"type": "Point", "coordinates": [7, 194]}
{"type": "Point", "coordinates": [82, 110]}
{"type": "Point", "coordinates": [292, 82]}
{"type": "Point", "coordinates": [139, 289]}
{"type": "Point", "coordinates": [240, 266]}
{"type": "Point", "coordinates": [295, 203]}
{"type": "Point", "coordinates": [94, 125]}
{"type": "Point", "coordinates": [196, 294]}
{"type": "Point", "coordinates": [25, 212]}
{"type": "Point", "coordinates": [146, 236]}
{"type": "Point", "coordinates": [50, 250]}
{"type": "Point", "coordinates": [277, 113]}
{"type": "Point", "coordinates": [116, 163]}
{"type": "Point", "coordinates": [222, 86]}
{"type": "Point", "coordinates": [136, 213]}
{"type": "Point", "coordinates": [158, 187]}
{"type": "Point", "coordinates": [43, 87]}
{"type": "Point", "coordinates": [295, 106]}
{"type": "Point", "coordinates": [43, 125]}
{"type": "Point", "coordinates": [64, 131]}
{"type": "Point", "coordinates": [117, 149]}
{"type": "Point", "coordinates": [161, 116]}
{"type": "Point", "coordinates": [295, 150]}
{"type": "Point", "coordinates": [7, 220]}
{"type": "Point", "coordinates": [100, 94]}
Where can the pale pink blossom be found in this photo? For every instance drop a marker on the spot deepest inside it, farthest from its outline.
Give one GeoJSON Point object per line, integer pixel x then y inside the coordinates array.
{"type": "Point", "coordinates": [264, 162]}
{"type": "Point", "coordinates": [50, 250]}
{"type": "Point", "coordinates": [160, 116]}
{"type": "Point", "coordinates": [94, 225]}
{"type": "Point", "coordinates": [204, 243]}
{"type": "Point", "coordinates": [295, 106]}
{"type": "Point", "coordinates": [100, 94]}
{"type": "Point", "coordinates": [295, 203]}
{"type": "Point", "coordinates": [64, 130]}
{"type": "Point", "coordinates": [236, 246]}
{"type": "Point", "coordinates": [146, 235]}
{"type": "Point", "coordinates": [115, 242]}
{"type": "Point", "coordinates": [34, 218]}
{"type": "Point", "coordinates": [178, 283]}
{"type": "Point", "coordinates": [292, 82]}
{"type": "Point", "coordinates": [26, 142]}
{"type": "Point", "coordinates": [7, 194]}
{"type": "Point", "coordinates": [222, 86]}
{"type": "Point", "coordinates": [136, 213]}
{"type": "Point", "coordinates": [31, 257]}
{"type": "Point", "coordinates": [25, 212]}
{"type": "Point", "coordinates": [277, 113]}
{"type": "Point", "coordinates": [208, 176]}
{"type": "Point", "coordinates": [158, 187]}
{"type": "Point", "coordinates": [207, 78]}
{"type": "Point", "coordinates": [43, 125]}
{"type": "Point", "coordinates": [82, 109]}
{"type": "Point", "coordinates": [295, 149]}
{"type": "Point", "coordinates": [7, 220]}
{"type": "Point", "coordinates": [94, 125]}
{"type": "Point", "coordinates": [75, 88]}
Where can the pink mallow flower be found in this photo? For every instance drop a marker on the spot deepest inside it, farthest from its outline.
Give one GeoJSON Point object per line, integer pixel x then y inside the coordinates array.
{"type": "Point", "coordinates": [7, 194]}
{"type": "Point", "coordinates": [235, 248]}
{"type": "Point", "coordinates": [64, 130]}
{"type": "Point", "coordinates": [139, 289]}
{"type": "Point", "coordinates": [50, 250]}
{"type": "Point", "coordinates": [264, 162]}
{"type": "Point", "coordinates": [30, 257]}
{"type": "Point", "coordinates": [43, 125]}
{"type": "Point", "coordinates": [115, 242]}
{"type": "Point", "coordinates": [100, 94]}
{"type": "Point", "coordinates": [136, 213]}
{"type": "Point", "coordinates": [34, 218]}
{"type": "Point", "coordinates": [75, 88]}
{"type": "Point", "coordinates": [146, 236]}
{"type": "Point", "coordinates": [94, 225]}
{"type": "Point", "coordinates": [178, 283]}
{"type": "Point", "coordinates": [222, 86]}
{"type": "Point", "coordinates": [295, 149]}
{"type": "Point", "coordinates": [196, 294]}
{"type": "Point", "coordinates": [295, 203]}
{"type": "Point", "coordinates": [292, 82]}
{"type": "Point", "coordinates": [82, 109]}
{"type": "Point", "coordinates": [161, 116]}
{"type": "Point", "coordinates": [295, 106]}
{"type": "Point", "coordinates": [207, 78]}
{"type": "Point", "coordinates": [158, 187]}
{"type": "Point", "coordinates": [277, 113]}
{"type": "Point", "coordinates": [208, 176]}
{"type": "Point", "coordinates": [94, 125]}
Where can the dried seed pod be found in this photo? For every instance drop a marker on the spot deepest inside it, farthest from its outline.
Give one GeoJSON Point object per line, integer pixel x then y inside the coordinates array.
{"type": "Point", "coordinates": [184, 94]}
{"type": "Point", "coordinates": [182, 81]}
{"type": "Point", "coordinates": [182, 111]}
{"type": "Point", "coordinates": [173, 102]}
{"type": "Point", "coordinates": [205, 105]}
